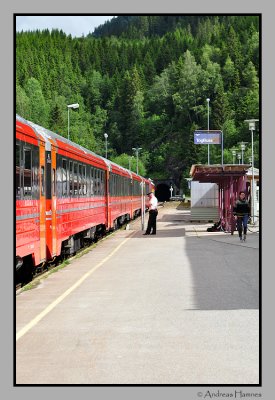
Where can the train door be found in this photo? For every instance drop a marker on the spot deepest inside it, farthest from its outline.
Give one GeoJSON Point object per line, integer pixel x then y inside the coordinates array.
{"type": "Point", "coordinates": [53, 201]}
{"type": "Point", "coordinates": [42, 202]}
{"type": "Point", "coordinates": [50, 200]}
{"type": "Point", "coordinates": [131, 195]}
{"type": "Point", "coordinates": [107, 196]}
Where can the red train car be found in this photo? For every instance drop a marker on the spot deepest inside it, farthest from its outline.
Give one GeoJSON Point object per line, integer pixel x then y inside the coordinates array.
{"type": "Point", "coordinates": [76, 201]}
{"type": "Point", "coordinates": [75, 194]}
{"type": "Point", "coordinates": [30, 195]}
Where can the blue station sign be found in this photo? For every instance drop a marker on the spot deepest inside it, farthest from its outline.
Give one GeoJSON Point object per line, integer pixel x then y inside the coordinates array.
{"type": "Point", "coordinates": [207, 137]}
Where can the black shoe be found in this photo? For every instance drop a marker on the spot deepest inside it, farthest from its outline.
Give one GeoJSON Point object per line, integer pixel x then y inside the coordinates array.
{"type": "Point", "coordinates": [154, 233]}
{"type": "Point", "coordinates": [146, 233]}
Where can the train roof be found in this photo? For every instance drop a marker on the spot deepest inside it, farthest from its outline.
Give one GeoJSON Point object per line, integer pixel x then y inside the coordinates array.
{"type": "Point", "coordinates": [23, 126]}
{"type": "Point", "coordinates": [47, 135]}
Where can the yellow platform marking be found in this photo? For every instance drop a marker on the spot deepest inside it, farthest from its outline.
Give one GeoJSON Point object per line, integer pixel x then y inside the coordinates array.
{"type": "Point", "coordinates": [50, 307]}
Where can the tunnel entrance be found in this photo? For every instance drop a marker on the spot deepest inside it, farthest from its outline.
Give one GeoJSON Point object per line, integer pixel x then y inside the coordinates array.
{"type": "Point", "coordinates": [163, 192]}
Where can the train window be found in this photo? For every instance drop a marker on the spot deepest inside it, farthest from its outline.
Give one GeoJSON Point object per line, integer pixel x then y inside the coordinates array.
{"type": "Point", "coordinates": [27, 181]}
{"type": "Point", "coordinates": [100, 182]}
{"type": "Point", "coordinates": [96, 182]}
{"type": "Point", "coordinates": [18, 183]}
{"type": "Point", "coordinates": [92, 181]}
{"type": "Point", "coordinates": [88, 180]}
{"type": "Point", "coordinates": [84, 181]}
{"type": "Point", "coordinates": [129, 187]}
{"type": "Point", "coordinates": [59, 179]}
{"type": "Point", "coordinates": [35, 174]}
{"type": "Point", "coordinates": [54, 182]}
{"type": "Point", "coordinates": [103, 182]}
{"type": "Point", "coordinates": [75, 182]}
{"type": "Point", "coordinates": [111, 184]}
{"type": "Point", "coordinates": [115, 185]}
{"type": "Point", "coordinates": [64, 178]}
{"type": "Point", "coordinates": [80, 181]}
{"type": "Point", "coordinates": [71, 178]}
{"type": "Point", "coordinates": [42, 180]}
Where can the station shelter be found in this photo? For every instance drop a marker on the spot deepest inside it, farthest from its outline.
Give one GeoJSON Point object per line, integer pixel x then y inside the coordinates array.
{"type": "Point", "coordinates": [231, 179]}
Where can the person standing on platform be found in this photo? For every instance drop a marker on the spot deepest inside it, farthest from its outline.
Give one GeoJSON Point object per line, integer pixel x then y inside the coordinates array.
{"type": "Point", "coordinates": [153, 212]}
{"type": "Point", "coordinates": [242, 211]}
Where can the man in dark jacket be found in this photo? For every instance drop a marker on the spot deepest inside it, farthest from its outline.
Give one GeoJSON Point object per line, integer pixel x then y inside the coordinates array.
{"type": "Point", "coordinates": [242, 212]}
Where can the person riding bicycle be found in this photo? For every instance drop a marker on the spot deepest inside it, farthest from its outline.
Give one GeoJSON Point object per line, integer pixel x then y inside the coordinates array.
{"type": "Point", "coordinates": [241, 210]}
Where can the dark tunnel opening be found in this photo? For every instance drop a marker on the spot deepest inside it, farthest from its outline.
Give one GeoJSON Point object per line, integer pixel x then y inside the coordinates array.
{"type": "Point", "coordinates": [163, 192]}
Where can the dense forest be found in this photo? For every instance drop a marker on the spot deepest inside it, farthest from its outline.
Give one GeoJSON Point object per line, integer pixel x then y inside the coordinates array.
{"type": "Point", "coordinates": [144, 81]}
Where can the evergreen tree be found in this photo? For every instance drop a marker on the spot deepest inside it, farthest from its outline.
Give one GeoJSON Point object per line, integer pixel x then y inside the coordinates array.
{"type": "Point", "coordinates": [39, 110]}
{"type": "Point", "coordinates": [144, 80]}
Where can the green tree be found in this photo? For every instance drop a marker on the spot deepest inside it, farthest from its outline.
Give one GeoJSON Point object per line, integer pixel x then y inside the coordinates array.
{"type": "Point", "coordinates": [22, 103]}
{"type": "Point", "coordinates": [39, 109]}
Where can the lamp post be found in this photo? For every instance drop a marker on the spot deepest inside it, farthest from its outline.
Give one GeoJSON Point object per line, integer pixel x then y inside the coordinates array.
{"type": "Point", "coordinates": [239, 156]}
{"type": "Point", "coordinates": [171, 191]}
{"type": "Point", "coordinates": [208, 148]}
{"type": "Point", "coordinates": [251, 124]}
{"type": "Point", "coordinates": [106, 145]}
{"type": "Point", "coordinates": [243, 149]}
{"type": "Point", "coordinates": [136, 149]}
{"type": "Point", "coordinates": [130, 162]}
{"type": "Point", "coordinates": [73, 106]}
{"type": "Point", "coordinates": [234, 155]}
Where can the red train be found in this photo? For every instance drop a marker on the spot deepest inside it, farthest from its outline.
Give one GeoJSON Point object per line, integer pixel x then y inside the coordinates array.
{"type": "Point", "coordinates": [66, 194]}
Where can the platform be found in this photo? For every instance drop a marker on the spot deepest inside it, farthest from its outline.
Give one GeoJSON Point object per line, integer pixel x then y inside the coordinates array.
{"type": "Point", "coordinates": [180, 307]}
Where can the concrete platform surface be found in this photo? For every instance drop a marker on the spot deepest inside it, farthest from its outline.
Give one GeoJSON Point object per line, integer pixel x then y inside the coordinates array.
{"type": "Point", "coordinates": [180, 307]}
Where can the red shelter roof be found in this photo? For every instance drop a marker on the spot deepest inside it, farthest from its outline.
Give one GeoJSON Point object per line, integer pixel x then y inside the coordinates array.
{"type": "Point", "coordinates": [217, 173]}
{"type": "Point", "coordinates": [231, 179]}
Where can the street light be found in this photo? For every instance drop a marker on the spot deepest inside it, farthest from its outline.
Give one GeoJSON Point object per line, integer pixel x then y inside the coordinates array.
{"type": "Point", "coordinates": [106, 144]}
{"type": "Point", "coordinates": [243, 149]}
{"type": "Point", "coordinates": [234, 155]}
{"type": "Point", "coordinates": [239, 156]}
{"type": "Point", "coordinates": [136, 149]}
{"type": "Point", "coordinates": [74, 106]}
{"type": "Point", "coordinates": [208, 149]}
{"type": "Point", "coordinates": [130, 162]}
{"type": "Point", "coordinates": [251, 124]}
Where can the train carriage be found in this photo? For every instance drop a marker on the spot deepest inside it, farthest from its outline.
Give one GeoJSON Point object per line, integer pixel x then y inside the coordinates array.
{"type": "Point", "coordinates": [76, 197]}
{"type": "Point", "coordinates": [29, 195]}
{"type": "Point", "coordinates": [120, 195]}
{"type": "Point", "coordinates": [66, 194]}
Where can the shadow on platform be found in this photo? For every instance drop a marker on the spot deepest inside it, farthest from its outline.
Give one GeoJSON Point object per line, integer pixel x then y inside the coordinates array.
{"type": "Point", "coordinates": [224, 277]}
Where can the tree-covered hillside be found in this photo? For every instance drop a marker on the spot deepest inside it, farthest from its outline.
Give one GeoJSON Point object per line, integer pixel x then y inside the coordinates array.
{"type": "Point", "coordinates": [144, 80]}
